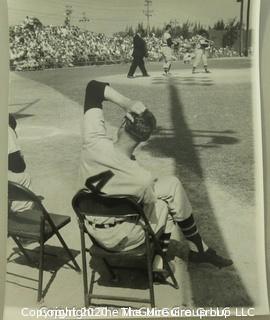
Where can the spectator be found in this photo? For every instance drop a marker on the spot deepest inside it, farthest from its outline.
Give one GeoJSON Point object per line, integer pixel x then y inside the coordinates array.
{"type": "Point", "coordinates": [34, 46]}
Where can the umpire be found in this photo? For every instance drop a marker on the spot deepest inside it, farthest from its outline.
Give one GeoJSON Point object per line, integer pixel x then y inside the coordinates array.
{"type": "Point", "coordinates": [139, 52]}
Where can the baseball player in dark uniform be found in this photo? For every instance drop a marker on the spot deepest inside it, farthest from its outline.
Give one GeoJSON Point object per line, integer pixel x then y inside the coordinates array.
{"type": "Point", "coordinates": [164, 198]}
{"type": "Point", "coordinates": [139, 52]}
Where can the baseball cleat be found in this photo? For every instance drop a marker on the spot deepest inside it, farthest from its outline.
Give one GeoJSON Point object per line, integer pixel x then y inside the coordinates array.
{"type": "Point", "coordinates": [207, 71]}
{"type": "Point", "coordinates": [130, 77]}
{"type": "Point", "coordinates": [146, 75]}
{"type": "Point", "coordinates": [209, 256]}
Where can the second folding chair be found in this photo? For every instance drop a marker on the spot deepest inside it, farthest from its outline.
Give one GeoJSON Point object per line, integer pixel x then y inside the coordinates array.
{"type": "Point", "coordinates": [38, 226]}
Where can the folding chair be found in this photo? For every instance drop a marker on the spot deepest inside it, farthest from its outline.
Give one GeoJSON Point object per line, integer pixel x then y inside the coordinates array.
{"type": "Point", "coordinates": [94, 203]}
{"type": "Point", "coordinates": [38, 225]}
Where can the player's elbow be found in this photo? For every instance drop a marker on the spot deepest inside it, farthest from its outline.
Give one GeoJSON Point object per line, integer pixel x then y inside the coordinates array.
{"type": "Point", "coordinates": [91, 84]}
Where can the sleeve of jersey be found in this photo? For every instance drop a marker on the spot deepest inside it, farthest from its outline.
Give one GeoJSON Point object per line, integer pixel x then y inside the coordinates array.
{"type": "Point", "coordinates": [94, 95]}
{"type": "Point", "coordinates": [94, 128]}
{"type": "Point", "coordinates": [12, 141]}
{"type": "Point", "coordinates": [15, 160]}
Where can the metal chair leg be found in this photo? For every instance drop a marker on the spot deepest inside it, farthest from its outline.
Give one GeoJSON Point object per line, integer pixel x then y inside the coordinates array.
{"type": "Point", "coordinates": [149, 270]}
{"type": "Point", "coordinates": [161, 253]}
{"type": "Point", "coordinates": [167, 266]}
{"type": "Point", "coordinates": [41, 259]}
{"type": "Point", "coordinates": [67, 250]}
{"type": "Point", "coordinates": [90, 293]}
{"type": "Point", "coordinates": [84, 269]}
{"type": "Point", "coordinates": [21, 248]}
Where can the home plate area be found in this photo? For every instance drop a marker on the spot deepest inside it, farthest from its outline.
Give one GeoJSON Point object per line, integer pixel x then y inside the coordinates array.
{"type": "Point", "coordinates": [184, 77]}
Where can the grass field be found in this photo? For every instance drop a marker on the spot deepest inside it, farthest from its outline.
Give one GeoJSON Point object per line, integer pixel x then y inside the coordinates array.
{"type": "Point", "coordinates": [218, 117]}
{"type": "Point", "coordinates": [205, 137]}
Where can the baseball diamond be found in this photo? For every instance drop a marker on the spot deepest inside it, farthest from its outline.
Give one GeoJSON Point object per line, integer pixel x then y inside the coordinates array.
{"type": "Point", "coordinates": [204, 136]}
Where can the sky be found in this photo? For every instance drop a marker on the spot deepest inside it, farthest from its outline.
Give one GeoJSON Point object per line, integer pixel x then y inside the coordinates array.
{"type": "Point", "coordinates": [109, 16]}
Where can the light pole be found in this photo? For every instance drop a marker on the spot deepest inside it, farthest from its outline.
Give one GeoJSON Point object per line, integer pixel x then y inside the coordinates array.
{"type": "Point", "coordinates": [84, 19]}
{"type": "Point", "coordinates": [148, 14]}
{"type": "Point", "coordinates": [247, 29]}
{"type": "Point", "coordinates": [241, 27]}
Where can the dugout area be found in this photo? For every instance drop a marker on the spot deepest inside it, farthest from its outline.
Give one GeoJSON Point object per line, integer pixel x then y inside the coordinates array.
{"type": "Point", "coordinates": [205, 136]}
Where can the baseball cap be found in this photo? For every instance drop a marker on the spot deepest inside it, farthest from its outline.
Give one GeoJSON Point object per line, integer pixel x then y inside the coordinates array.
{"type": "Point", "coordinates": [142, 127]}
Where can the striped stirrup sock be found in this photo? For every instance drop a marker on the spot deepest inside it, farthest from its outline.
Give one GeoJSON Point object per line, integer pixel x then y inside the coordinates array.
{"type": "Point", "coordinates": [191, 233]}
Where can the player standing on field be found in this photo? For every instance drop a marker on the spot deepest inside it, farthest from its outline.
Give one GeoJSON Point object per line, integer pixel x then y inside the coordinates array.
{"type": "Point", "coordinates": [167, 49]}
{"type": "Point", "coordinates": [202, 44]}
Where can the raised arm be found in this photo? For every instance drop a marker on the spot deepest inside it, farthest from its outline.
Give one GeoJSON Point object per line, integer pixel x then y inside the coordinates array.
{"type": "Point", "coordinates": [125, 103]}
{"type": "Point", "coordinates": [97, 92]}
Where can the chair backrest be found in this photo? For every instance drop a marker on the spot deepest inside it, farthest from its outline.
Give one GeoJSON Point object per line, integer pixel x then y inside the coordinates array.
{"type": "Point", "coordinates": [87, 203]}
{"type": "Point", "coordinates": [17, 192]}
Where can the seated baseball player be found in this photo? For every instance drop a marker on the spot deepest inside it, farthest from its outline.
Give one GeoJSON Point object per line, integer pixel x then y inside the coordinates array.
{"type": "Point", "coordinates": [164, 199]}
{"type": "Point", "coordinates": [16, 166]}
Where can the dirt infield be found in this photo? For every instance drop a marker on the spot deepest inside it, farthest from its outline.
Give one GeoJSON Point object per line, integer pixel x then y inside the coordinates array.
{"type": "Point", "coordinates": [205, 137]}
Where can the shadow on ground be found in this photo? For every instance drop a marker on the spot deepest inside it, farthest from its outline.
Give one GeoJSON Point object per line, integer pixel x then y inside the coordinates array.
{"type": "Point", "coordinates": [182, 80]}
{"type": "Point", "coordinates": [55, 259]}
{"type": "Point", "coordinates": [130, 274]}
{"type": "Point", "coordinates": [208, 139]}
{"type": "Point", "coordinates": [211, 287]}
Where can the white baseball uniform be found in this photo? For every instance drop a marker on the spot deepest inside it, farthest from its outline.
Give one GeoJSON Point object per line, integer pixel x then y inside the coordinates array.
{"type": "Point", "coordinates": [22, 178]}
{"type": "Point", "coordinates": [160, 197]}
{"type": "Point", "coordinates": [200, 52]}
{"type": "Point", "coordinates": [167, 50]}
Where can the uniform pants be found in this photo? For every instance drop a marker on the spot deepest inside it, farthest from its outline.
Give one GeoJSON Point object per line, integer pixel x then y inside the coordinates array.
{"type": "Point", "coordinates": [168, 57]}
{"type": "Point", "coordinates": [172, 206]}
{"type": "Point", "coordinates": [23, 179]}
{"type": "Point", "coordinates": [200, 55]}
{"type": "Point", "coordinates": [137, 62]}
{"type": "Point", "coordinates": [170, 191]}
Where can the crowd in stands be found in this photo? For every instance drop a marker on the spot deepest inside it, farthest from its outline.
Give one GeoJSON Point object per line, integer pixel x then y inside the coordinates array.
{"type": "Point", "coordinates": [34, 46]}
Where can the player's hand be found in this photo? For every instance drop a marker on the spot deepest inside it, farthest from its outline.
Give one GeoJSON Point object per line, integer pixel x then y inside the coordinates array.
{"type": "Point", "coordinates": [137, 107]}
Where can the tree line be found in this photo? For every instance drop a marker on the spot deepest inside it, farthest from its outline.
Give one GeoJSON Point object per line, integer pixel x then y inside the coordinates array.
{"type": "Point", "coordinates": [230, 30]}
